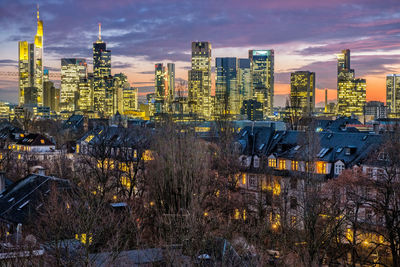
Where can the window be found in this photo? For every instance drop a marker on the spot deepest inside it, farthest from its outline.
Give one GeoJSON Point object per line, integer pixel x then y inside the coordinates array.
{"type": "Point", "coordinates": [282, 164]}
{"type": "Point", "coordinates": [253, 180]}
{"type": "Point", "coordinates": [272, 163]}
{"type": "Point", "coordinates": [321, 167]}
{"type": "Point", "coordinates": [256, 162]}
{"type": "Point", "coordinates": [295, 165]}
{"type": "Point", "coordinates": [339, 167]}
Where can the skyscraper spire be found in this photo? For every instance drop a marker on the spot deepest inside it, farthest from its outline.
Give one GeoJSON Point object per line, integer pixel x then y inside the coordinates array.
{"type": "Point", "coordinates": [99, 31]}
{"type": "Point", "coordinates": [37, 8]}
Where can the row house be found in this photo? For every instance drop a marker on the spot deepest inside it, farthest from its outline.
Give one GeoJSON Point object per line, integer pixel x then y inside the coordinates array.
{"type": "Point", "coordinates": [275, 163]}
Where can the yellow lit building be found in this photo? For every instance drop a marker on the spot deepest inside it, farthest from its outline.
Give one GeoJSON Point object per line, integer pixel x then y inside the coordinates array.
{"type": "Point", "coordinates": [30, 68]}
{"type": "Point", "coordinates": [85, 101]}
{"type": "Point", "coordinates": [199, 80]}
{"type": "Point", "coordinates": [351, 91]}
{"type": "Point", "coordinates": [262, 77]}
{"type": "Point", "coordinates": [72, 71]}
{"type": "Point", "coordinates": [393, 95]}
{"type": "Point", "coordinates": [302, 92]}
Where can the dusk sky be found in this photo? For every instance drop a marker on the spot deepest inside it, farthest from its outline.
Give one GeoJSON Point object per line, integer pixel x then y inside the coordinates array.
{"type": "Point", "coordinates": [306, 35]}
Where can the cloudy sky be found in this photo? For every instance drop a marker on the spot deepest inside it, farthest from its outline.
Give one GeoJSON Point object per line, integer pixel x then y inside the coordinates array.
{"type": "Point", "coordinates": [306, 35]}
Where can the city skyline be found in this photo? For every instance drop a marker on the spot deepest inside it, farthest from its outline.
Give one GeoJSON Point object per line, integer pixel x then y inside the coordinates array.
{"type": "Point", "coordinates": [369, 29]}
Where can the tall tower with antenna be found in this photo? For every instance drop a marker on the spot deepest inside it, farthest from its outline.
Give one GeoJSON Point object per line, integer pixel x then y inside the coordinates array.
{"type": "Point", "coordinates": [39, 60]}
{"type": "Point", "coordinates": [101, 71]}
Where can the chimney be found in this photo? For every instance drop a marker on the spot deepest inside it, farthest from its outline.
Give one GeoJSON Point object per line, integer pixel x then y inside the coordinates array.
{"type": "Point", "coordinates": [41, 171]}
{"type": "Point", "coordinates": [2, 181]}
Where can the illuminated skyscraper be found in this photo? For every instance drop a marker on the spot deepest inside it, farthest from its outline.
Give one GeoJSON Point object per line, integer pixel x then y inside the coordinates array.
{"type": "Point", "coordinates": [226, 87]}
{"type": "Point", "coordinates": [302, 92]}
{"type": "Point", "coordinates": [39, 60]}
{"type": "Point", "coordinates": [351, 91]}
{"type": "Point", "coordinates": [393, 95]}
{"type": "Point", "coordinates": [85, 100]}
{"type": "Point", "coordinates": [262, 76]}
{"type": "Point", "coordinates": [101, 69]}
{"type": "Point", "coordinates": [161, 87]}
{"type": "Point", "coordinates": [30, 68]}
{"type": "Point", "coordinates": [244, 80]}
{"type": "Point", "coordinates": [199, 80]}
{"type": "Point", "coordinates": [130, 101]}
{"type": "Point", "coordinates": [72, 71]}
{"type": "Point", "coordinates": [171, 81]}
{"type": "Point", "coordinates": [26, 68]}
{"type": "Point", "coordinates": [120, 83]}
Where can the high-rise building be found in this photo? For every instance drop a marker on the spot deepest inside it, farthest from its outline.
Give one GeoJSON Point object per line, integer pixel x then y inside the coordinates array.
{"type": "Point", "coordinates": [30, 68]}
{"type": "Point", "coordinates": [199, 80]}
{"type": "Point", "coordinates": [120, 83]}
{"type": "Point", "coordinates": [171, 82]}
{"type": "Point", "coordinates": [130, 101]}
{"type": "Point", "coordinates": [226, 87]}
{"type": "Point", "coordinates": [393, 95]}
{"type": "Point", "coordinates": [244, 80]}
{"type": "Point", "coordinates": [302, 92]}
{"type": "Point", "coordinates": [39, 60]}
{"type": "Point", "coordinates": [49, 95]}
{"type": "Point", "coordinates": [262, 77]}
{"type": "Point", "coordinates": [376, 109]}
{"type": "Point", "coordinates": [252, 109]}
{"type": "Point", "coordinates": [161, 87]}
{"type": "Point", "coordinates": [85, 100]}
{"type": "Point", "coordinates": [351, 91]}
{"type": "Point", "coordinates": [101, 72]}
{"type": "Point", "coordinates": [72, 71]}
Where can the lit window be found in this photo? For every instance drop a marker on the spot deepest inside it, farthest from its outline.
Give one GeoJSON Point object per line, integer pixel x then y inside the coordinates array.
{"type": "Point", "coordinates": [282, 164]}
{"type": "Point", "coordinates": [321, 167]}
{"type": "Point", "coordinates": [243, 178]}
{"type": "Point", "coordinates": [42, 141]}
{"type": "Point", "coordinates": [295, 165]}
{"type": "Point", "coordinates": [272, 163]}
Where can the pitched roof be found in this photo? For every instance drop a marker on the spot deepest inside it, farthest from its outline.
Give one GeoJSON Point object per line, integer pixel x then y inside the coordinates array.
{"type": "Point", "coordinates": [35, 140]}
{"type": "Point", "coordinates": [23, 198]}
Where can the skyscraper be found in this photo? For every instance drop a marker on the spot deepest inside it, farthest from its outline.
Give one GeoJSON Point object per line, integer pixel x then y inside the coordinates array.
{"type": "Point", "coordinates": [30, 68]}
{"type": "Point", "coordinates": [101, 69]}
{"type": "Point", "coordinates": [39, 60]}
{"type": "Point", "coordinates": [199, 80]}
{"type": "Point", "coordinates": [262, 76]}
{"type": "Point", "coordinates": [171, 81]}
{"type": "Point", "coordinates": [393, 95]}
{"type": "Point", "coordinates": [85, 100]}
{"type": "Point", "coordinates": [49, 92]}
{"type": "Point", "coordinates": [244, 80]}
{"type": "Point", "coordinates": [302, 92]}
{"type": "Point", "coordinates": [351, 91]}
{"type": "Point", "coordinates": [72, 71]}
{"type": "Point", "coordinates": [226, 87]}
{"type": "Point", "coordinates": [161, 87]}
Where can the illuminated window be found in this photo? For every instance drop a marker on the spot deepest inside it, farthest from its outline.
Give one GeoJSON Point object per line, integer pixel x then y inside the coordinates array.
{"type": "Point", "coordinates": [321, 167]}
{"type": "Point", "coordinates": [272, 163]}
{"type": "Point", "coordinates": [42, 141]}
{"type": "Point", "coordinates": [295, 165]}
{"type": "Point", "coordinates": [243, 178]}
{"type": "Point", "coordinates": [282, 164]}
